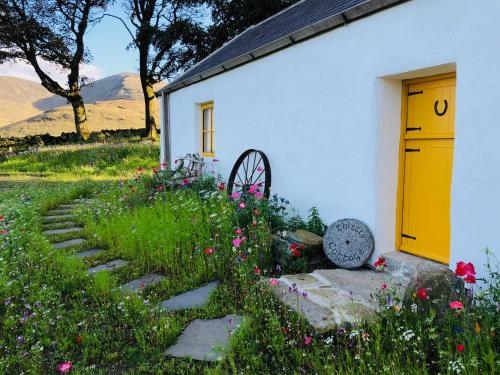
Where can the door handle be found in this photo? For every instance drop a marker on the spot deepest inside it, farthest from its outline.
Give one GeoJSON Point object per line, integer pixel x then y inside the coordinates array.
{"type": "Point", "coordinates": [436, 110]}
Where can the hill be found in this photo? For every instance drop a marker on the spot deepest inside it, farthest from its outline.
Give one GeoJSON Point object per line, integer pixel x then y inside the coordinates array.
{"type": "Point", "coordinates": [114, 102]}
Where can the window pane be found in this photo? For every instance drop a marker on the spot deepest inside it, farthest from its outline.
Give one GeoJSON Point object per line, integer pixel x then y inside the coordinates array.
{"type": "Point", "coordinates": [207, 142]}
{"type": "Point", "coordinates": [206, 119]}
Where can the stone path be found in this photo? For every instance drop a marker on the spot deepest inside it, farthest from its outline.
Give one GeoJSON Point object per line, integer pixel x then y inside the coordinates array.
{"type": "Point", "coordinates": [327, 298]}
{"type": "Point", "coordinates": [206, 340]}
{"type": "Point", "coordinates": [194, 298]}
{"type": "Point", "coordinates": [201, 340]}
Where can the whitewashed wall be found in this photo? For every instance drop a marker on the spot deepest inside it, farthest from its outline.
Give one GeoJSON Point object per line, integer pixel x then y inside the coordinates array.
{"type": "Point", "coordinates": [327, 114]}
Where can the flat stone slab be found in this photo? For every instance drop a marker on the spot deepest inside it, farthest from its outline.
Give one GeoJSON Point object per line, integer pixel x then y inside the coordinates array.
{"type": "Point", "coordinates": [110, 266]}
{"type": "Point", "coordinates": [88, 253]}
{"type": "Point", "coordinates": [63, 230]}
{"type": "Point", "coordinates": [194, 298]}
{"type": "Point", "coordinates": [58, 217]}
{"type": "Point", "coordinates": [69, 243]}
{"type": "Point", "coordinates": [67, 206]}
{"type": "Point", "coordinates": [63, 211]}
{"type": "Point", "coordinates": [59, 224]}
{"type": "Point", "coordinates": [141, 283]}
{"type": "Point", "coordinates": [206, 340]}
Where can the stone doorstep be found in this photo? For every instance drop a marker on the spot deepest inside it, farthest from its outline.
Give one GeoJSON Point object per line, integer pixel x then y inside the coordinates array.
{"type": "Point", "coordinates": [57, 217]}
{"type": "Point", "coordinates": [110, 266]}
{"type": "Point", "coordinates": [88, 253]}
{"type": "Point", "coordinates": [206, 340]}
{"type": "Point", "coordinates": [141, 283]}
{"type": "Point", "coordinates": [193, 298]}
{"type": "Point", "coordinates": [69, 243]}
{"type": "Point", "coordinates": [62, 230]}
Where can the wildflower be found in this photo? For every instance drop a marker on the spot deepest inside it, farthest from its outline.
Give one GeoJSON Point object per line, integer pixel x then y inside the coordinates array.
{"type": "Point", "coordinates": [259, 195]}
{"type": "Point", "coordinates": [221, 186]}
{"type": "Point", "coordinates": [256, 270]}
{"type": "Point", "coordinates": [208, 251]}
{"type": "Point", "coordinates": [215, 160]}
{"type": "Point", "coordinates": [379, 264]}
{"type": "Point", "coordinates": [4, 232]}
{"type": "Point", "coordinates": [456, 305]}
{"type": "Point", "coordinates": [160, 188]}
{"type": "Point", "coordinates": [185, 182]}
{"type": "Point", "coordinates": [253, 224]}
{"type": "Point", "coordinates": [235, 195]}
{"type": "Point", "coordinates": [64, 367]}
{"type": "Point", "coordinates": [422, 293]}
{"type": "Point", "coordinates": [464, 269]}
{"type": "Point", "coordinates": [383, 286]}
{"type": "Point", "coordinates": [307, 340]}
{"type": "Point", "coordinates": [242, 205]}
{"type": "Point", "coordinates": [237, 242]}
{"type": "Point", "coordinates": [365, 336]}
{"type": "Point", "coordinates": [253, 188]}
{"type": "Point", "coordinates": [295, 253]}
{"type": "Point", "coordinates": [274, 282]}
{"type": "Point", "coordinates": [2, 218]}
{"type": "Point", "coordinates": [460, 348]}
{"type": "Point", "coordinates": [477, 328]}
{"type": "Point", "coordinates": [304, 294]}
{"type": "Point", "coordinates": [471, 279]}
{"type": "Point", "coordinates": [239, 231]}
{"type": "Point", "coordinates": [414, 307]}
{"type": "Point", "coordinates": [285, 330]}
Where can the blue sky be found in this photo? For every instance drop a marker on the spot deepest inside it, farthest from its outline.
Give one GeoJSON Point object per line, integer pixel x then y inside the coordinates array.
{"type": "Point", "coordinates": [107, 42]}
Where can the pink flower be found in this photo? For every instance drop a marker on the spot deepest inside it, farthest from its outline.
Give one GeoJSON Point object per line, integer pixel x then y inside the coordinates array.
{"type": "Point", "coordinates": [239, 231]}
{"type": "Point", "coordinates": [256, 270]}
{"type": "Point", "coordinates": [215, 160]}
{"type": "Point", "coordinates": [235, 195]}
{"type": "Point", "coordinates": [237, 242]}
{"type": "Point", "coordinates": [64, 367]}
{"type": "Point", "coordinates": [456, 305]}
{"type": "Point", "coordinates": [274, 282]}
{"type": "Point", "coordinates": [259, 195]}
{"type": "Point", "coordinates": [242, 205]}
{"type": "Point", "coordinates": [208, 251]}
{"type": "Point", "coordinates": [253, 189]}
{"type": "Point", "coordinates": [259, 169]}
{"type": "Point", "coordinates": [222, 186]}
{"type": "Point", "coordinates": [383, 286]}
{"type": "Point", "coordinates": [307, 340]}
{"type": "Point", "coordinates": [464, 269]}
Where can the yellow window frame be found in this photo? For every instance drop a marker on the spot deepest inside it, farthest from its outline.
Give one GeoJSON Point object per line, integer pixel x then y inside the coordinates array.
{"type": "Point", "coordinates": [210, 129]}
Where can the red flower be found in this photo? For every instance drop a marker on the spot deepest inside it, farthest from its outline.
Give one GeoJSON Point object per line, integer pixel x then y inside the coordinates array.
{"type": "Point", "coordinates": [460, 348]}
{"type": "Point", "coordinates": [253, 224]}
{"type": "Point", "coordinates": [456, 305]}
{"type": "Point", "coordinates": [471, 279]}
{"type": "Point", "coordinates": [422, 293]}
{"type": "Point", "coordinates": [296, 253]}
{"type": "Point", "coordinates": [222, 186]}
{"type": "Point", "coordinates": [208, 251]}
{"type": "Point", "coordinates": [293, 246]}
{"type": "Point", "coordinates": [383, 286]}
{"type": "Point", "coordinates": [285, 330]}
{"type": "Point", "coordinates": [464, 269]}
{"type": "Point", "coordinates": [256, 270]}
{"type": "Point", "coordinates": [2, 218]}
{"type": "Point", "coordinates": [379, 263]}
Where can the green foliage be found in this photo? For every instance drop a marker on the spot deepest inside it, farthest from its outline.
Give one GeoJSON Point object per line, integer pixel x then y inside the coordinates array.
{"type": "Point", "coordinates": [314, 222]}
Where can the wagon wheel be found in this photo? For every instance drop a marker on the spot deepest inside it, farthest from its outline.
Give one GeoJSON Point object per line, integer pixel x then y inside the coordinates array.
{"type": "Point", "coordinates": [251, 168]}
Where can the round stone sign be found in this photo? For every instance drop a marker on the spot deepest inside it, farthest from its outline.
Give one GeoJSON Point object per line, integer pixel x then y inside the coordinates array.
{"type": "Point", "coordinates": [348, 243]}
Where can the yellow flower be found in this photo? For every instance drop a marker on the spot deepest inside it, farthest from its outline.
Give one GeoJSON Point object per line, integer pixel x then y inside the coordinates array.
{"type": "Point", "coordinates": [477, 328]}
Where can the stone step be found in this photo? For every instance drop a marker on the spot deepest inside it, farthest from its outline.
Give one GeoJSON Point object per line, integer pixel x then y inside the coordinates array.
{"type": "Point", "coordinates": [57, 217]}
{"type": "Point", "coordinates": [69, 243]}
{"type": "Point", "coordinates": [59, 224]}
{"type": "Point", "coordinates": [62, 231]}
{"type": "Point", "coordinates": [89, 253]}
{"type": "Point", "coordinates": [206, 340]}
{"type": "Point", "coordinates": [194, 298]}
{"type": "Point", "coordinates": [67, 206]}
{"type": "Point", "coordinates": [141, 283]}
{"type": "Point", "coordinates": [58, 212]}
{"type": "Point", "coordinates": [110, 266]}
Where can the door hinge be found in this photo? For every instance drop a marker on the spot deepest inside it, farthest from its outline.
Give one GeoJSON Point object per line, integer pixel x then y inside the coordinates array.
{"type": "Point", "coordinates": [411, 93]}
{"type": "Point", "coordinates": [412, 150]}
{"type": "Point", "coordinates": [408, 236]}
{"type": "Point", "coordinates": [413, 129]}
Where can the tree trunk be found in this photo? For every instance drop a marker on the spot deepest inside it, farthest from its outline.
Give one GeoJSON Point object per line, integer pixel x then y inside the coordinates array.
{"type": "Point", "coordinates": [80, 117]}
{"type": "Point", "coordinates": [149, 97]}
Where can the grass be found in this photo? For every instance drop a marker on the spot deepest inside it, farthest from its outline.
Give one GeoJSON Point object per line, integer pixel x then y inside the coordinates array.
{"type": "Point", "coordinates": [51, 311]}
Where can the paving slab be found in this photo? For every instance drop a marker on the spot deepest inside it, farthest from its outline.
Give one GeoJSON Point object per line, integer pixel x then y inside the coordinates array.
{"type": "Point", "coordinates": [67, 206]}
{"type": "Point", "coordinates": [194, 298]}
{"type": "Point", "coordinates": [58, 217]}
{"type": "Point", "coordinates": [110, 266]}
{"type": "Point", "coordinates": [141, 283]}
{"type": "Point", "coordinates": [63, 230]}
{"type": "Point", "coordinates": [63, 211]}
{"type": "Point", "coordinates": [206, 340]}
{"type": "Point", "coordinates": [69, 243]}
{"type": "Point", "coordinates": [59, 224]}
{"type": "Point", "coordinates": [88, 253]}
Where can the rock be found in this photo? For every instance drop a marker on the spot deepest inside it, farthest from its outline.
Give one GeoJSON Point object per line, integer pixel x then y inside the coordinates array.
{"type": "Point", "coordinates": [110, 266]}
{"type": "Point", "coordinates": [69, 243]}
{"type": "Point", "coordinates": [88, 253]}
{"type": "Point", "coordinates": [206, 340]}
{"type": "Point", "coordinates": [309, 239]}
{"type": "Point", "coordinates": [140, 284]}
{"type": "Point", "coordinates": [194, 298]}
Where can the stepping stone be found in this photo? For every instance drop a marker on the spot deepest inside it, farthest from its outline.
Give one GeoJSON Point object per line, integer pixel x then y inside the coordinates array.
{"type": "Point", "coordinates": [67, 206]}
{"type": "Point", "coordinates": [57, 217]}
{"type": "Point", "coordinates": [143, 282]}
{"type": "Point", "coordinates": [194, 298]}
{"type": "Point", "coordinates": [63, 230]}
{"type": "Point", "coordinates": [110, 266]}
{"type": "Point", "coordinates": [88, 253]}
{"type": "Point", "coordinates": [58, 212]}
{"type": "Point", "coordinates": [206, 340]}
{"type": "Point", "coordinates": [69, 243]}
{"type": "Point", "coordinates": [60, 224]}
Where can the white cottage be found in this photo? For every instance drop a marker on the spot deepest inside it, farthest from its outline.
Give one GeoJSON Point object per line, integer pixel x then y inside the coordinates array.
{"type": "Point", "coordinates": [386, 111]}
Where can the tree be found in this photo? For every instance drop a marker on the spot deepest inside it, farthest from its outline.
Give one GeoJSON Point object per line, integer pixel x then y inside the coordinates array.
{"type": "Point", "coordinates": [51, 30]}
{"type": "Point", "coordinates": [167, 34]}
{"type": "Point", "coordinates": [231, 17]}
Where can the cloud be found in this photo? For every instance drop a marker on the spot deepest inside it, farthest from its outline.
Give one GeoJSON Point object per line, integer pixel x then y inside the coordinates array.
{"type": "Point", "coordinates": [21, 69]}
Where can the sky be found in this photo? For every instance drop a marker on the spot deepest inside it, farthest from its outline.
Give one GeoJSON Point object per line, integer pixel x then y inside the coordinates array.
{"type": "Point", "coordinates": [107, 42]}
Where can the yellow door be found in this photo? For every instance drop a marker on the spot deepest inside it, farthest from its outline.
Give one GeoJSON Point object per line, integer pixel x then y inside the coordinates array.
{"type": "Point", "coordinates": [428, 159]}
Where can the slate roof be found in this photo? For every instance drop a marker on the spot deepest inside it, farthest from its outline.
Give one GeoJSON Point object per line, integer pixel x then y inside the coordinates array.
{"type": "Point", "coordinates": [298, 22]}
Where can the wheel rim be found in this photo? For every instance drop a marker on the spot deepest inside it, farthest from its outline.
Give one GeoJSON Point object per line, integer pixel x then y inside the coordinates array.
{"type": "Point", "coordinates": [251, 168]}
